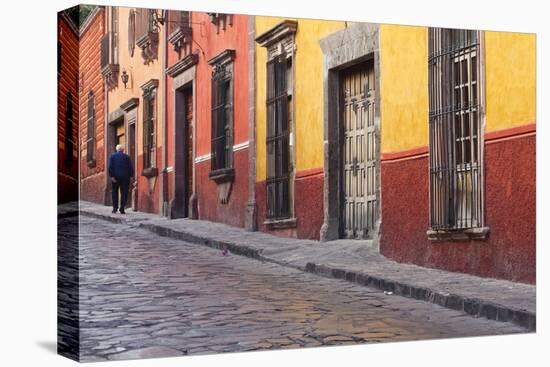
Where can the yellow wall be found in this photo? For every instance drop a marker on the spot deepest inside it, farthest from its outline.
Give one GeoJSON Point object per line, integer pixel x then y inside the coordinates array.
{"type": "Point", "coordinates": [403, 87]}
{"type": "Point", "coordinates": [510, 73]}
{"type": "Point", "coordinates": [139, 74]}
{"type": "Point", "coordinates": [308, 92]}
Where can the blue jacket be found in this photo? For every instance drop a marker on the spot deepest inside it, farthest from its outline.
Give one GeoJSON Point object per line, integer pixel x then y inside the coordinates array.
{"type": "Point", "coordinates": [120, 165]}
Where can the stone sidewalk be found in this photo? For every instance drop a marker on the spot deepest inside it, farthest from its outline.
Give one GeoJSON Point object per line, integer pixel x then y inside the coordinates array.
{"type": "Point", "coordinates": [353, 261]}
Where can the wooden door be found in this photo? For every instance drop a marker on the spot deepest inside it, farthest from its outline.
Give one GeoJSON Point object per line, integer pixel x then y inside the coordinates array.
{"type": "Point", "coordinates": [188, 100]}
{"type": "Point", "coordinates": [359, 209]}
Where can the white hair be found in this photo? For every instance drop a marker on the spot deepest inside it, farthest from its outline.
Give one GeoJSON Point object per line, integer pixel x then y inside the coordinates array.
{"type": "Point", "coordinates": [119, 147]}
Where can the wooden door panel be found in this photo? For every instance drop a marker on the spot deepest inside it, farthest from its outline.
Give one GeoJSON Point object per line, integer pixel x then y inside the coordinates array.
{"type": "Point", "coordinates": [359, 152]}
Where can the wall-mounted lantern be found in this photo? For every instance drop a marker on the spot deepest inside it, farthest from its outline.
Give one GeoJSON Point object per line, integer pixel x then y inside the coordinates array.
{"type": "Point", "coordinates": [124, 77]}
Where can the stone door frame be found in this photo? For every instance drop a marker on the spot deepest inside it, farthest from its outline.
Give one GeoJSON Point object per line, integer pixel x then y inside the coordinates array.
{"type": "Point", "coordinates": [348, 47]}
{"type": "Point", "coordinates": [183, 74]}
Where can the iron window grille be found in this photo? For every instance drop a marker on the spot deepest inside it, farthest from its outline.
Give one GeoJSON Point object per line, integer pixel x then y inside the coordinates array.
{"type": "Point", "coordinates": [146, 34]}
{"type": "Point", "coordinates": [455, 154]}
{"type": "Point", "coordinates": [222, 124]}
{"type": "Point", "coordinates": [69, 143]}
{"type": "Point", "coordinates": [90, 138]}
{"type": "Point", "coordinates": [143, 22]}
{"type": "Point", "coordinates": [277, 138]}
{"type": "Point", "coordinates": [149, 117]}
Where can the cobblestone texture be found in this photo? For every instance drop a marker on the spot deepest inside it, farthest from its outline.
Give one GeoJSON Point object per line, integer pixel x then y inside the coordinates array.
{"type": "Point", "coordinates": [355, 261]}
{"type": "Point", "coordinates": [142, 295]}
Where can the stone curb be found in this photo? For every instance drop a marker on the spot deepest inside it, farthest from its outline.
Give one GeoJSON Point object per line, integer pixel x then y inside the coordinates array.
{"type": "Point", "coordinates": [472, 306]}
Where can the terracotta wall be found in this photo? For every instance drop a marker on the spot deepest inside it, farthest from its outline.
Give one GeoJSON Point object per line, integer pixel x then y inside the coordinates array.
{"type": "Point", "coordinates": [67, 171]}
{"type": "Point", "coordinates": [92, 177]}
{"type": "Point", "coordinates": [234, 37]}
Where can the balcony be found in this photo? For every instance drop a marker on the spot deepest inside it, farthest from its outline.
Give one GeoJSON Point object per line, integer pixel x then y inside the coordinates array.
{"type": "Point", "coordinates": [109, 59]}
{"type": "Point", "coordinates": [179, 30]}
{"type": "Point", "coordinates": [147, 36]}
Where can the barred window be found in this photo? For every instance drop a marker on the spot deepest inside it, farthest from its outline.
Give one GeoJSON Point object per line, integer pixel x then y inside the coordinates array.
{"type": "Point", "coordinates": [90, 138]}
{"type": "Point", "coordinates": [69, 144]}
{"type": "Point", "coordinates": [456, 192]}
{"type": "Point", "coordinates": [222, 124]}
{"type": "Point", "coordinates": [149, 122]}
{"type": "Point", "coordinates": [278, 132]}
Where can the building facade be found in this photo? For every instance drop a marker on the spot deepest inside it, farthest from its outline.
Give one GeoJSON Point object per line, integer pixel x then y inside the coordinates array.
{"type": "Point", "coordinates": [133, 57]}
{"type": "Point", "coordinates": [67, 107]}
{"type": "Point", "coordinates": [289, 125]}
{"type": "Point", "coordinates": [92, 109]}
{"type": "Point", "coordinates": [208, 117]}
{"type": "Point", "coordinates": [459, 150]}
{"type": "Point", "coordinates": [420, 140]}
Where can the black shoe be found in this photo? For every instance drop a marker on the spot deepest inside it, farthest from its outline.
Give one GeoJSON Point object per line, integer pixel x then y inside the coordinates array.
{"type": "Point", "coordinates": [114, 210]}
{"type": "Point", "coordinates": [122, 211]}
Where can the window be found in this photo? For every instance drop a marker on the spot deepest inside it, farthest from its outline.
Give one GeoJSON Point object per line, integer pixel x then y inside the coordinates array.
{"type": "Point", "coordinates": [277, 139]}
{"type": "Point", "coordinates": [280, 45]}
{"type": "Point", "coordinates": [456, 182]}
{"type": "Point", "coordinates": [59, 61]}
{"type": "Point", "coordinates": [149, 127]}
{"type": "Point", "coordinates": [90, 141]}
{"type": "Point", "coordinates": [69, 146]}
{"type": "Point", "coordinates": [222, 117]}
{"type": "Point", "coordinates": [109, 52]}
{"type": "Point", "coordinates": [146, 34]}
{"type": "Point", "coordinates": [222, 124]}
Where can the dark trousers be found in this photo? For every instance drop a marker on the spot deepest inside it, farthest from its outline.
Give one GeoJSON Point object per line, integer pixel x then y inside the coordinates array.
{"type": "Point", "coordinates": [122, 184]}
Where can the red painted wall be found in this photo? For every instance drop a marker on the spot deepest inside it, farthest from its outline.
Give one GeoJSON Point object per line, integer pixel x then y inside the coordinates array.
{"type": "Point", "coordinates": [149, 188]}
{"type": "Point", "coordinates": [308, 193]}
{"type": "Point", "coordinates": [92, 179]}
{"type": "Point", "coordinates": [510, 199]}
{"type": "Point", "coordinates": [67, 174]}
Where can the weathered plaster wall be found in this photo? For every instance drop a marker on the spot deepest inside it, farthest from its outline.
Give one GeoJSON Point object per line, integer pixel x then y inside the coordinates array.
{"type": "Point", "coordinates": [404, 87]}
{"type": "Point", "coordinates": [510, 72]}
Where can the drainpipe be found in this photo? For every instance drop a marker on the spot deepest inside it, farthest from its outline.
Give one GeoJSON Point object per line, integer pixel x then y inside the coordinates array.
{"type": "Point", "coordinates": [164, 202]}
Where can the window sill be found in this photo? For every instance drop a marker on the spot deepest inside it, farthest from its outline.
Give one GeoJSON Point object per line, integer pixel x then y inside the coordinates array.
{"type": "Point", "coordinates": [150, 172]}
{"type": "Point", "coordinates": [91, 163]}
{"type": "Point", "coordinates": [280, 223]}
{"type": "Point", "coordinates": [480, 233]}
{"type": "Point", "coordinates": [222, 175]}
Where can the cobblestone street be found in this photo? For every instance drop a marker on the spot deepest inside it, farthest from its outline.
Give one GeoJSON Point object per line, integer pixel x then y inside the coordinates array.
{"type": "Point", "coordinates": [142, 295]}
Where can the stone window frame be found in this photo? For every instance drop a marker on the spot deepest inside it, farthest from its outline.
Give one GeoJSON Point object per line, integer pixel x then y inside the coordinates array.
{"type": "Point", "coordinates": [281, 40]}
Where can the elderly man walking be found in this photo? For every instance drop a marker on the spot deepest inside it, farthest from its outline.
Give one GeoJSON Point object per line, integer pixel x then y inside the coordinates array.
{"type": "Point", "coordinates": [121, 172]}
